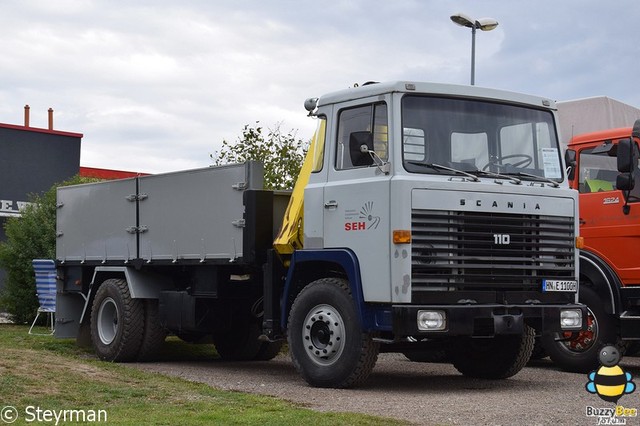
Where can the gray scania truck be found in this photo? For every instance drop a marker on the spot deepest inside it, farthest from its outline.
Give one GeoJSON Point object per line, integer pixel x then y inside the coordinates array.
{"type": "Point", "coordinates": [426, 216]}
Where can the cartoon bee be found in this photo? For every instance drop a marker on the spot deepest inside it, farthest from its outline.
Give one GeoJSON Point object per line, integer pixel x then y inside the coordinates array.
{"type": "Point", "coordinates": [610, 381]}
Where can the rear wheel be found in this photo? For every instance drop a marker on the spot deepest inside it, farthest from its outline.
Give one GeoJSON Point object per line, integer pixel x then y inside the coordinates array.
{"type": "Point", "coordinates": [154, 334]}
{"type": "Point", "coordinates": [327, 345]}
{"type": "Point", "coordinates": [117, 322]}
{"type": "Point", "coordinates": [579, 351]}
{"type": "Point", "coordinates": [499, 357]}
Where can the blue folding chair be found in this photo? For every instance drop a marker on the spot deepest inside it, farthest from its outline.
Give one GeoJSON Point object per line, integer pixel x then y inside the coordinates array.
{"type": "Point", "coordinates": [45, 270]}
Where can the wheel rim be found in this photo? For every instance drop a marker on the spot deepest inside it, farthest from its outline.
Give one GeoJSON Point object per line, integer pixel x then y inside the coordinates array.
{"type": "Point", "coordinates": [583, 340]}
{"type": "Point", "coordinates": [323, 334]}
{"type": "Point", "coordinates": [107, 321]}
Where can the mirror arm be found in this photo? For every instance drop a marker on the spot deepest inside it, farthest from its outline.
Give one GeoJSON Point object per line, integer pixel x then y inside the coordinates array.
{"type": "Point", "coordinates": [382, 165]}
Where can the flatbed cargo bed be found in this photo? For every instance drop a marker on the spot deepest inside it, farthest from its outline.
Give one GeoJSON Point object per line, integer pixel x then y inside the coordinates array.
{"type": "Point", "coordinates": [157, 218]}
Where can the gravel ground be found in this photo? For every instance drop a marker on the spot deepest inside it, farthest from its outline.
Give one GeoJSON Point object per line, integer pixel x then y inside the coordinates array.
{"type": "Point", "coordinates": [425, 394]}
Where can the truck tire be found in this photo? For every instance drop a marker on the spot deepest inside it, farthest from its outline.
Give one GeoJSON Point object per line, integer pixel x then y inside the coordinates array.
{"type": "Point", "coordinates": [154, 334]}
{"type": "Point", "coordinates": [117, 322]}
{"type": "Point", "coordinates": [578, 352]}
{"type": "Point", "coordinates": [499, 357]}
{"type": "Point", "coordinates": [538, 350]}
{"type": "Point", "coordinates": [241, 344]}
{"type": "Point", "coordinates": [327, 344]}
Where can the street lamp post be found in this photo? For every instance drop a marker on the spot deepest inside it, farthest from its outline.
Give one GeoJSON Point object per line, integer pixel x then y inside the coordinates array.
{"type": "Point", "coordinates": [484, 24]}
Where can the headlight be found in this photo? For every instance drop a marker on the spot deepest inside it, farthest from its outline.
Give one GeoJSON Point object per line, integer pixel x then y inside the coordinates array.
{"type": "Point", "coordinates": [571, 319]}
{"type": "Point", "coordinates": [432, 320]}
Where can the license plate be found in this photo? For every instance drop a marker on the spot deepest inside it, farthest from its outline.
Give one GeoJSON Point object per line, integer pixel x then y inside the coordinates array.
{"type": "Point", "coordinates": [559, 285]}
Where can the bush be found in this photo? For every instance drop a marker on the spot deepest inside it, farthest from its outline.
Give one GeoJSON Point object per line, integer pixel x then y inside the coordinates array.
{"type": "Point", "coordinates": [31, 236]}
{"type": "Point", "coordinates": [281, 154]}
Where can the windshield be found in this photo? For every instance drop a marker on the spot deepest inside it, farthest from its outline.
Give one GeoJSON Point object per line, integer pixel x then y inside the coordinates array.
{"type": "Point", "coordinates": [475, 136]}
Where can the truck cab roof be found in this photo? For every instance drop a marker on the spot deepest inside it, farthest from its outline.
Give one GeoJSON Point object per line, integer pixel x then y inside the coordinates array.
{"type": "Point", "coordinates": [375, 89]}
{"type": "Point", "coordinates": [586, 138]}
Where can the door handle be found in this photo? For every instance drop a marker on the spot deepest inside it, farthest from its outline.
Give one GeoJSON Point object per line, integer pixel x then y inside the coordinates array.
{"type": "Point", "coordinates": [331, 204]}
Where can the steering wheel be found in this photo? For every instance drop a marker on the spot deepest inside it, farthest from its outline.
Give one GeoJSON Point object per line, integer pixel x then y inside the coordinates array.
{"type": "Point", "coordinates": [499, 161]}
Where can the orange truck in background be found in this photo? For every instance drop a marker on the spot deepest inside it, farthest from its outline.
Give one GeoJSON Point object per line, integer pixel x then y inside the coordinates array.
{"type": "Point", "coordinates": [603, 167]}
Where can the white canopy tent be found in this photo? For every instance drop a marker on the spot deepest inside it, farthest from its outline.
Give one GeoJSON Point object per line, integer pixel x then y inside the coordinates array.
{"type": "Point", "coordinates": [592, 114]}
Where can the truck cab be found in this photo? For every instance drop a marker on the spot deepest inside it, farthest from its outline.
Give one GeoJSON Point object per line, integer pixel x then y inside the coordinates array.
{"type": "Point", "coordinates": [610, 227]}
{"type": "Point", "coordinates": [451, 206]}
{"type": "Point", "coordinates": [607, 231]}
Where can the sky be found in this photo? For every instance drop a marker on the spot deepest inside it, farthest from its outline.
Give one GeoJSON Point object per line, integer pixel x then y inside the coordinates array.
{"type": "Point", "coordinates": [156, 86]}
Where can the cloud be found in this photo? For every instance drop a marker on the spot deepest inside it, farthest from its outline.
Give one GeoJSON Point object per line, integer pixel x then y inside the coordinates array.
{"type": "Point", "coordinates": [157, 85]}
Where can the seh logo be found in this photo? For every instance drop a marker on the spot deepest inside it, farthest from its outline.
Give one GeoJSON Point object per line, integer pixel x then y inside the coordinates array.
{"type": "Point", "coordinates": [366, 219]}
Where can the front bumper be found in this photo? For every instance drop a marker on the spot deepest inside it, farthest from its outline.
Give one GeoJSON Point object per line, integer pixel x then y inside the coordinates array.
{"type": "Point", "coordinates": [484, 320]}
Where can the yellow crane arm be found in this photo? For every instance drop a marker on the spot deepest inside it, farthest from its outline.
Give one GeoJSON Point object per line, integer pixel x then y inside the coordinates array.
{"type": "Point", "coordinates": [291, 237]}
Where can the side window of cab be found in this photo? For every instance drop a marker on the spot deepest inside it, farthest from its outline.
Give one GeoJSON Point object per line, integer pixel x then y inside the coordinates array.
{"type": "Point", "coordinates": [597, 172]}
{"type": "Point", "coordinates": [368, 125]}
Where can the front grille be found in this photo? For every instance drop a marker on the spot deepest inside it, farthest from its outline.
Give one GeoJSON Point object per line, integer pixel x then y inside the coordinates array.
{"type": "Point", "coordinates": [454, 250]}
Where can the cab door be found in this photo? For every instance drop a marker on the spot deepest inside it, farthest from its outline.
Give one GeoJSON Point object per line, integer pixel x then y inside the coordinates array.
{"type": "Point", "coordinates": [608, 232]}
{"type": "Point", "coordinates": [356, 195]}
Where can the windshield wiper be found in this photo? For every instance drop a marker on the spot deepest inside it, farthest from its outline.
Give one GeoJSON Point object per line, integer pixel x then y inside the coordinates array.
{"type": "Point", "coordinates": [537, 178]}
{"type": "Point", "coordinates": [515, 180]}
{"type": "Point", "coordinates": [449, 169]}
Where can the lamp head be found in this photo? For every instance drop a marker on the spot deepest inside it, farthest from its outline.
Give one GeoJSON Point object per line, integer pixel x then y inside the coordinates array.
{"type": "Point", "coordinates": [463, 20]}
{"type": "Point", "coordinates": [486, 24]}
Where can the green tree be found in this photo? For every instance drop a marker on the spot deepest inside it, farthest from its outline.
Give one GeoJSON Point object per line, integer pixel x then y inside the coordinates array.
{"type": "Point", "coordinates": [30, 236]}
{"type": "Point", "coordinates": [281, 154]}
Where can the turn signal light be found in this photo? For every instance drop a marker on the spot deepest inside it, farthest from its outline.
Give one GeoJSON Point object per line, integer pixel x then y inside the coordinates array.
{"type": "Point", "coordinates": [579, 242]}
{"type": "Point", "coordinates": [401, 236]}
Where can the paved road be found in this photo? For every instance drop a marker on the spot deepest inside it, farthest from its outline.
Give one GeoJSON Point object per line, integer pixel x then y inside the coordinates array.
{"type": "Point", "coordinates": [429, 394]}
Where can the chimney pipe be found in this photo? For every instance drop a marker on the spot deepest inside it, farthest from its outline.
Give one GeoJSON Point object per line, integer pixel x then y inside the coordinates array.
{"type": "Point", "coordinates": [50, 118]}
{"type": "Point", "coordinates": [26, 116]}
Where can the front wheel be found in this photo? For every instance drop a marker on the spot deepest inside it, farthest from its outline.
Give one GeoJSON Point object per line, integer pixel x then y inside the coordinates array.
{"type": "Point", "coordinates": [327, 345]}
{"type": "Point", "coordinates": [499, 357]}
{"type": "Point", "coordinates": [578, 352]}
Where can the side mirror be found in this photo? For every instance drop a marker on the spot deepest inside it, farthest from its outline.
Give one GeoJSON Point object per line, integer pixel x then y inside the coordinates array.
{"type": "Point", "coordinates": [625, 182]}
{"type": "Point", "coordinates": [570, 158]}
{"type": "Point", "coordinates": [627, 156]}
{"type": "Point", "coordinates": [360, 144]}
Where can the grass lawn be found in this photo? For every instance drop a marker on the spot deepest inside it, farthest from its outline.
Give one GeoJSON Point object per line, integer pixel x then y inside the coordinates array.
{"type": "Point", "coordinates": [54, 374]}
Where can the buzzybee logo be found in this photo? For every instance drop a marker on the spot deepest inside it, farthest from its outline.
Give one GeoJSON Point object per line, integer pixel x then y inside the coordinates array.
{"type": "Point", "coordinates": [610, 382]}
